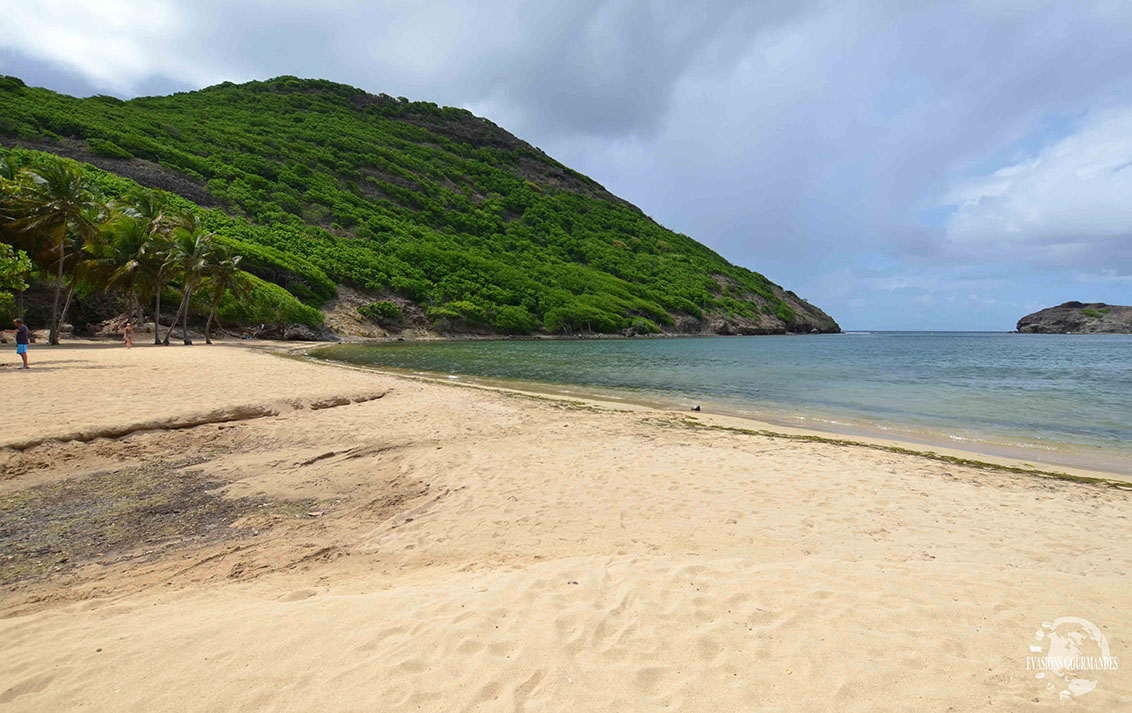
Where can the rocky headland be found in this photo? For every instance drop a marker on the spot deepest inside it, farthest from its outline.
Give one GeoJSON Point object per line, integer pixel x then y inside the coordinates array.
{"type": "Point", "coordinates": [1079, 318]}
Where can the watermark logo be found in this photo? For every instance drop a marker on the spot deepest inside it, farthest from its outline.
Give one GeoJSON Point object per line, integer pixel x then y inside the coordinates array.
{"type": "Point", "coordinates": [1067, 654]}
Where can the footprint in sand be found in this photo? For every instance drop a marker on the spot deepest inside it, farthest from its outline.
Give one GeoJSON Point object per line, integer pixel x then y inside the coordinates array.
{"type": "Point", "coordinates": [34, 684]}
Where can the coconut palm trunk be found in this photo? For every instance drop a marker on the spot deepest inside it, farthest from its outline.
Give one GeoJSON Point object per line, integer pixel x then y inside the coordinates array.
{"type": "Point", "coordinates": [185, 317]}
{"type": "Point", "coordinates": [135, 303]}
{"type": "Point", "coordinates": [208, 323]}
{"type": "Point", "coordinates": [173, 324]}
{"type": "Point", "coordinates": [213, 307]}
{"type": "Point", "coordinates": [182, 313]}
{"type": "Point", "coordinates": [157, 317]}
{"type": "Point", "coordinates": [53, 337]}
{"type": "Point", "coordinates": [66, 306]}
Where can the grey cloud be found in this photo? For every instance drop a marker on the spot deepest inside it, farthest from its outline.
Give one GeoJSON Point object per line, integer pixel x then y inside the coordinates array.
{"type": "Point", "coordinates": [595, 67]}
{"type": "Point", "coordinates": [801, 139]}
{"type": "Point", "coordinates": [60, 79]}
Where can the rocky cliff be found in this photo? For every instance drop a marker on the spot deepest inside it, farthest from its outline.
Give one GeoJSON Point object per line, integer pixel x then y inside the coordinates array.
{"type": "Point", "coordinates": [1079, 318]}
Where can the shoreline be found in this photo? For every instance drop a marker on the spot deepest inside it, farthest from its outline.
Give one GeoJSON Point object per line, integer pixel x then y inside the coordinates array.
{"type": "Point", "coordinates": [293, 533]}
{"type": "Point", "coordinates": [1007, 456]}
{"type": "Point", "coordinates": [418, 337]}
{"type": "Point", "coordinates": [995, 455]}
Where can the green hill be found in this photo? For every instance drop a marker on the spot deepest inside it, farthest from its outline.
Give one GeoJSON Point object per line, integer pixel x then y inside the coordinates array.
{"type": "Point", "coordinates": [442, 219]}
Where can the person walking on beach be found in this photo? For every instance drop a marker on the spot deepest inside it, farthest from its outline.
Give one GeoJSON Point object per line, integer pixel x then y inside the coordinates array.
{"type": "Point", "coordinates": [128, 335]}
{"type": "Point", "coordinates": [22, 340]}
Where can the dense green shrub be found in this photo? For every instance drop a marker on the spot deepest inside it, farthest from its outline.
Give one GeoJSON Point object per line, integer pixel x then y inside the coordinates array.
{"type": "Point", "coordinates": [269, 304]}
{"type": "Point", "coordinates": [578, 318]}
{"type": "Point", "coordinates": [7, 308]}
{"type": "Point", "coordinates": [784, 313]}
{"type": "Point", "coordinates": [641, 325]}
{"type": "Point", "coordinates": [107, 148]}
{"type": "Point", "coordinates": [382, 312]}
{"type": "Point", "coordinates": [512, 319]}
{"type": "Point", "coordinates": [15, 268]}
{"type": "Point", "coordinates": [455, 315]}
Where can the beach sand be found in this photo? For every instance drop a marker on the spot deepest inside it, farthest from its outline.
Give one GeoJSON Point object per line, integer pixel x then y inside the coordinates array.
{"type": "Point", "coordinates": [222, 528]}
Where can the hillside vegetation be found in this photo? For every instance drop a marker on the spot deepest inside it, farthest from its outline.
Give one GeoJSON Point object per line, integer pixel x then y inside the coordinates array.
{"type": "Point", "coordinates": [435, 214]}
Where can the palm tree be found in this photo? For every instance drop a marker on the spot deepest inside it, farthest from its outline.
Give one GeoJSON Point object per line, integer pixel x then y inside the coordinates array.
{"type": "Point", "coordinates": [224, 275]}
{"type": "Point", "coordinates": [80, 265]}
{"type": "Point", "coordinates": [151, 268]}
{"type": "Point", "coordinates": [56, 201]}
{"type": "Point", "coordinates": [190, 253]}
{"type": "Point", "coordinates": [9, 167]}
{"type": "Point", "coordinates": [150, 206]}
{"type": "Point", "coordinates": [118, 261]}
{"type": "Point", "coordinates": [157, 272]}
{"type": "Point", "coordinates": [8, 209]}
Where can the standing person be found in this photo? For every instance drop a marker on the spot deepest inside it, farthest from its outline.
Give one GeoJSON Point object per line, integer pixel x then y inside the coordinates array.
{"type": "Point", "coordinates": [128, 335]}
{"type": "Point", "coordinates": [22, 341]}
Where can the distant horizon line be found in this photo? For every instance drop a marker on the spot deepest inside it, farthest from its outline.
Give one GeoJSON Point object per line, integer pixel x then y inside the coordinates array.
{"type": "Point", "coordinates": [926, 331]}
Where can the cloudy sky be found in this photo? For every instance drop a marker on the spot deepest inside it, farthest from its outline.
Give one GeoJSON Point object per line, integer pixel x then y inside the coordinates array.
{"type": "Point", "coordinates": [904, 165]}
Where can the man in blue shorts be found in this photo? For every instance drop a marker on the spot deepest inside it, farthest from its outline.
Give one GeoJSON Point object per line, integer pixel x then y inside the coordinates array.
{"type": "Point", "coordinates": [22, 341]}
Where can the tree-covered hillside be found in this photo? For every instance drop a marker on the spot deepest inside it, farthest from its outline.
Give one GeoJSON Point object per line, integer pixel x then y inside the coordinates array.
{"type": "Point", "coordinates": [320, 184]}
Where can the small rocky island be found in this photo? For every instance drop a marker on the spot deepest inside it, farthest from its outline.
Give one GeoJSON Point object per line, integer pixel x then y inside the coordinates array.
{"type": "Point", "coordinates": [1079, 318]}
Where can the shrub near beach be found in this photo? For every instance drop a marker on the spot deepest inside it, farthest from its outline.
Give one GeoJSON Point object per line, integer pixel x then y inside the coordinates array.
{"type": "Point", "coordinates": [138, 246]}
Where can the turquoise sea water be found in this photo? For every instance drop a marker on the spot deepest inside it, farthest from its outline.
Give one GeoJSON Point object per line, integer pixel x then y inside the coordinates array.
{"type": "Point", "coordinates": [1063, 399]}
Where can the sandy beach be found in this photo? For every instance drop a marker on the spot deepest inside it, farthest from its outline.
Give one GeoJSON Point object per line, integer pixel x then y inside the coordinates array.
{"type": "Point", "coordinates": [225, 528]}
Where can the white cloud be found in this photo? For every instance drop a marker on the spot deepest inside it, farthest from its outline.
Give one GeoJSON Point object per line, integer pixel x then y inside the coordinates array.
{"type": "Point", "coordinates": [115, 43]}
{"type": "Point", "coordinates": [1071, 204]}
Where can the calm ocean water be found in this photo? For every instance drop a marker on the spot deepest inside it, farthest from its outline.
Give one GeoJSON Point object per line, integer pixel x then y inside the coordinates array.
{"type": "Point", "coordinates": [1063, 399]}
